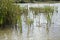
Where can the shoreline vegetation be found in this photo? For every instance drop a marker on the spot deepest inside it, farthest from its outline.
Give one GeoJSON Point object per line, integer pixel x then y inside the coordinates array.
{"type": "Point", "coordinates": [27, 22]}
{"type": "Point", "coordinates": [11, 15]}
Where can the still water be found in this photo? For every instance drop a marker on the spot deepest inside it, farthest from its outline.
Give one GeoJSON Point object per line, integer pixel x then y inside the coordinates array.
{"type": "Point", "coordinates": [35, 32]}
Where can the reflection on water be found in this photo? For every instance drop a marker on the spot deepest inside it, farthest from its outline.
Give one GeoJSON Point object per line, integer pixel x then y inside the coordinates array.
{"type": "Point", "coordinates": [39, 33]}
{"type": "Point", "coordinates": [34, 32]}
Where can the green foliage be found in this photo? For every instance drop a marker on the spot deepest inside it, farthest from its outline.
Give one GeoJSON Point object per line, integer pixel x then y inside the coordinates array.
{"type": "Point", "coordinates": [24, 11]}
{"type": "Point", "coordinates": [29, 21]}
{"type": "Point", "coordinates": [36, 10]}
{"type": "Point", "coordinates": [46, 10]}
{"type": "Point", "coordinates": [9, 12]}
{"type": "Point", "coordinates": [49, 9]}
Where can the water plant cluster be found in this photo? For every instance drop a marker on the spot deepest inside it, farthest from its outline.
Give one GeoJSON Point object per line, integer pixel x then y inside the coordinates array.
{"type": "Point", "coordinates": [10, 14]}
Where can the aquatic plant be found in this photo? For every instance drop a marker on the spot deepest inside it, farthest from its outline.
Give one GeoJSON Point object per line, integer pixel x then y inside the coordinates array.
{"type": "Point", "coordinates": [24, 12]}
{"type": "Point", "coordinates": [10, 13]}
{"type": "Point", "coordinates": [29, 21]}
{"type": "Point", "coordinates": [37, 11]}
{"type": "Point", "coordinates": [46, 10]}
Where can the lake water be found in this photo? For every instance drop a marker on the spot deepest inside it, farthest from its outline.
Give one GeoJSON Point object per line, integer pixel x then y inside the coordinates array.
{"type": "Point", "coordinates": [35, 32]}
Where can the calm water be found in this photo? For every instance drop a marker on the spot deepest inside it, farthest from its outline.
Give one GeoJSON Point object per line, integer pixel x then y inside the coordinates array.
{"type": "Point", "coordinates": [35, 32]}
